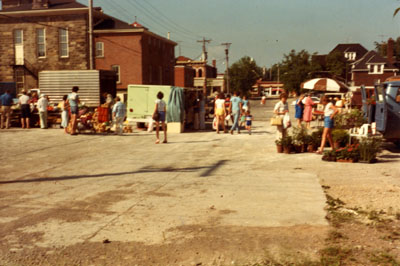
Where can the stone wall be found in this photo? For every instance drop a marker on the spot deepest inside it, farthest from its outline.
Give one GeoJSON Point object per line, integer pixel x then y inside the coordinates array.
{"type": "Point", "coordinates": [78, 45]}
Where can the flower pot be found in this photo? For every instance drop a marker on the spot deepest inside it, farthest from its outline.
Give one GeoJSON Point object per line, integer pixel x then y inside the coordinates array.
{"type": "Point", "coordinates": [311, 148]}
{"type": "Point", "coordinates": [298, 148]}
{"type": "Point", "coordinates": [336, 145]}
{"type": "Point", "coordinates": [345, 160]}
{"type": "Point", "coordinates": [279, 148]}
{"type": "Point", "coordinates": [287, 149]}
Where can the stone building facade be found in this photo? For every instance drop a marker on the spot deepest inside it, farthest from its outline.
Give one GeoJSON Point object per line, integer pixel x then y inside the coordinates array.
{"type": "Point", "coordinates": [35, 36]}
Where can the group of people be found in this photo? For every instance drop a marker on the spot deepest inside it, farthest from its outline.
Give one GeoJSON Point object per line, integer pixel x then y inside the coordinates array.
{"type": "Point", "coordinates": [234, 108]}
{"type": "Point", "coordinates": [303, 112]}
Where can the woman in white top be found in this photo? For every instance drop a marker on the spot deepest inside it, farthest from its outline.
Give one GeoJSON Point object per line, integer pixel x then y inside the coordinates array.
{"type": "Point", "coordinates": [281, 108]}
{"type": "Point", "coordinates": [219, 111]}
{"type": "Point", "coordinates": [329, 113]}
{"type": "Point", "coordinates": [24, 101]}
{"type": "Point", "coordinates": [161, 111]}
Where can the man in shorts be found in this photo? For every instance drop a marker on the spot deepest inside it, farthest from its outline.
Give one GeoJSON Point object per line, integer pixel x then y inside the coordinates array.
{"type": "Point", "coordinates": [24, 100]}
{"type": "Point", "coordinates": [73, 101]}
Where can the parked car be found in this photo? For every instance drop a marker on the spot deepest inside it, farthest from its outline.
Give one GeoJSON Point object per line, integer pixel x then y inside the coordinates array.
{"type": "Point", "coordinates": [315, 99]}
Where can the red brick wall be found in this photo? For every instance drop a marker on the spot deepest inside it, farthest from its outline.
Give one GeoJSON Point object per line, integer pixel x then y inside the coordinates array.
{"type": "Point", "coordinates": [184, 76]}
{"type": "Point", "coordinates": [137, 56]}
{"type": "Point", "coordinates": [363, 78]}
{"type": "Point", "coordinates": [123, 50]}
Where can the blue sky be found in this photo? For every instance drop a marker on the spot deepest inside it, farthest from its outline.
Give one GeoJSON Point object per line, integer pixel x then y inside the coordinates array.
{"type": "Point", "coordinates": [262, 29]}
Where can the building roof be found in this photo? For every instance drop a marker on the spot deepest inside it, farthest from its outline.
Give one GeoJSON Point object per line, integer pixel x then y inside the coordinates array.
{"type": "Point", "coordinates": [371, 57]}
{"type": "Point", "coordinates": [52, 4]}
{"type": "Point", "coordinates": [351, 47]}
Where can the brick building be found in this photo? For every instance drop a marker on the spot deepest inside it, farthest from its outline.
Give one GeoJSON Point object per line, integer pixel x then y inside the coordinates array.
{"type": "Point", "coordinates": [371, 69]}
{"type": "Point", "coordinates": [38, 35]}
{"type": "Point", "coordinates": [138, 55]}
{"type": "Point", "coordinates": [205, 76]}
{"type": "Point", "coordinates": [41, 35]}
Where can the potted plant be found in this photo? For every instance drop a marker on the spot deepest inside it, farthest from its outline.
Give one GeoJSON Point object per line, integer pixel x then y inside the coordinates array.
{"type": "Point", "coordinates": [299, 137]}
{"type": "Point", "coordinates": [330, 156]}
{"type": "Point", "coordinates": [340, 138]}
{"type": "Point", "coordinates": [316, 137]}
{"type": "Point", "coordinates": [369, 148]}
{"type": "Point", "coordinates": [287, 144]}
{"type": "Point", "coordinates": [348, 154]}
{"type": "Point", "coordinates": [279, 146]}
{"type": "Point", "coordinates": [308, 142]}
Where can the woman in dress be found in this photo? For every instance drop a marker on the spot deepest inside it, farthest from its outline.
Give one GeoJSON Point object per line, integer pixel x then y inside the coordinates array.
{"type": "Point", "coordinates": [161, 110]}
{"type": "Point", "coordinates": [281, 108]}
{"type": "Point", "coordinates": [329, 113]}
{"type": "Point", "coordinates": [308, 106]}
{"type": "Point", "coordinates": [299, 107]}
{"type": "Point", "coordinates": [220, 111]}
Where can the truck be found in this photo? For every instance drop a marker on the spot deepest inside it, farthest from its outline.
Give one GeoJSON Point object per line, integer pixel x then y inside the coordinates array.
{"type": "Point", "coordinates": [93, 85]}
{"type": "Point", "coordinates": [141, 104]}
{"type": "Point", "coordinates": [383, 108]}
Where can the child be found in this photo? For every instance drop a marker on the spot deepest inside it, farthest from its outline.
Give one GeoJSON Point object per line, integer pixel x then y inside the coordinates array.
{"type": "Point", "coordinates": [249, 117]}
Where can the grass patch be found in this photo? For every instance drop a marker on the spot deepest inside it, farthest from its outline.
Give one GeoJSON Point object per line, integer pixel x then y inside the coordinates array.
{"type": "Point", "coordinates": [383, 258]}
{"type": "Point", "coordinates": [334, 255]}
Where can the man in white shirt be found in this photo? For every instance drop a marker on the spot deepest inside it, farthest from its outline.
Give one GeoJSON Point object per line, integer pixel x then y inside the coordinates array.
{"type": "Point", "coordinates": [42, 105]}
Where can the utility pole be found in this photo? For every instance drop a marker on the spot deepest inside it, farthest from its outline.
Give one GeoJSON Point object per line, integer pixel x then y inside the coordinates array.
{"type": "Point", "coordinates": [91, 63]}
{"type": "Point", "coordinates": [227, 45]}
{"type": "Point", "coordinates": [204, 41]}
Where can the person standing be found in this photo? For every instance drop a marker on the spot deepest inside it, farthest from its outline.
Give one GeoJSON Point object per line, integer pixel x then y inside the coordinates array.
{"type": "Point", "coordinates": [234, 109]}
{"type": "Point", "coordinates": [73, 101]}
{"type": "Point", "coordinates": [220, 111]}
{"type": "Point", "coordinates": [118, 113]}
{"type": "Point", "coordinates": [249, 118]}
{"type": "Point", "coordinates": [202, 111]}
{"type": "Point", "coordinates": [281, 109]}
{"type": "Point", "coordinates": [160, 111]}
{"type": "Point", "coordinates": [245, 104]}
{"type": "Point", "coordinates": [42, 105]}
{"type": "Point", "coordinates": [64, 113]}
{"type": "Point", "coordinates": [24, 100]}
{"type": "Point", "coordinates": [329, 113]}
{"type": "Point", "coordinates": [308, 106]}
{"type": "Point", "coordinates": [6, 102]}
{"type": "Point", "coordinates": [299, 107]}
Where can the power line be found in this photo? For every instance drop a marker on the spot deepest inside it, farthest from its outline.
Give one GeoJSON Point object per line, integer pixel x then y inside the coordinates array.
{"type": "Point", "coordinates": [154, 18]}
{"type": "Point", "coordinates": [170, 20]}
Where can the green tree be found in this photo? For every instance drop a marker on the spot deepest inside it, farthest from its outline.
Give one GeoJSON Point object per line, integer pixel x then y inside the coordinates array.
{"type": "Point", "coordinates": [336, 64]}
{"type": "Point", "coordinates": [243, 74]}
{"type": "Point", "coordinates": [295, 69]}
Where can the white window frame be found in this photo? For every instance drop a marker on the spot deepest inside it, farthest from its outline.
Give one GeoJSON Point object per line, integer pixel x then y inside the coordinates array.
{"type": "Point", "coordinates": [22, 76]}
{"type": "Point", "coordinates": [15, 37]}
{"type": "Point", "coordinates": [61, 43]}
{"type": "Point", "coordinates": [373, 69]}
{"type": "Point", "coordinates": [38, 43]}
{"type": "Point", "coordinates": [117, 70]}
{"type": "Point", "coordinates": [99, 49]}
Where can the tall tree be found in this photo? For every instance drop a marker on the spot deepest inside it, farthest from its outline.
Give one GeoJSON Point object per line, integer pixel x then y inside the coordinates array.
{"type": "Point", "coordinates": [243, 74]}
{"type": "Point", "coordinates": [295, 69]}
{"type": "Point", "coordinates": [336, 64]}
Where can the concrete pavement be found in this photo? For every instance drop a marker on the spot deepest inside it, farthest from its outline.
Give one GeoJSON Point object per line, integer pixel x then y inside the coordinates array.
{"type": "Point", "coordinates": [59, 190]}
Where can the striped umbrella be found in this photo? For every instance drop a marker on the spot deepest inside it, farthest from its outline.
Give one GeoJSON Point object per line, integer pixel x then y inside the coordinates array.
{"type": "Point", "coordinates": [324, 84]}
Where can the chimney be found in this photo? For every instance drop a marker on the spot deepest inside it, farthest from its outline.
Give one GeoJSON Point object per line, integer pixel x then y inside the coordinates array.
{"type": "Point", "coordinates": [390, 50]}
{"type": "Point", "coordinates": [214, 63]}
